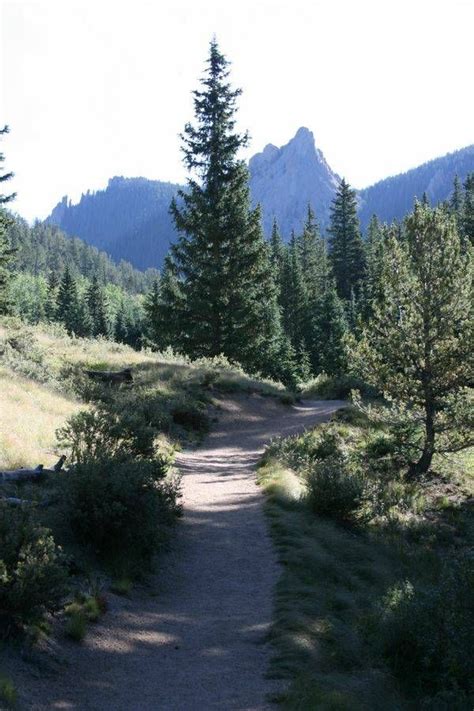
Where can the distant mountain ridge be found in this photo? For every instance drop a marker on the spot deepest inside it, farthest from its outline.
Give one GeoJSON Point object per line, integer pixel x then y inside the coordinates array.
{"type": "Point", "coordinates": [130, 218]}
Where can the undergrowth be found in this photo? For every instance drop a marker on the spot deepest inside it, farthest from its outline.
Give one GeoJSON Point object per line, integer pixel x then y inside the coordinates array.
{"type": "Point", "coordinates": [373, 609]}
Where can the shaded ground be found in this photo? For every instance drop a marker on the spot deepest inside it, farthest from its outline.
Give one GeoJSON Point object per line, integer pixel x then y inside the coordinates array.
{"type": "Point", "coordinates": [195, 638]}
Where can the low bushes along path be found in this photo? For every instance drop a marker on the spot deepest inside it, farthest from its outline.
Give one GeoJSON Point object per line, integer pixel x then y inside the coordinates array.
{"type": "Point", "coordinates": [196, 639]}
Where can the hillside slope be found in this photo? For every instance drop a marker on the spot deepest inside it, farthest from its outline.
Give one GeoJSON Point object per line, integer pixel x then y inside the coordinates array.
{"type": "Point", "coordinates": [130, 218]}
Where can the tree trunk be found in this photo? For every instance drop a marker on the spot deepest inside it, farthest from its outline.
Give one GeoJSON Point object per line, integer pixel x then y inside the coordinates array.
{"type": "Point", "coordinates": [424, 462]}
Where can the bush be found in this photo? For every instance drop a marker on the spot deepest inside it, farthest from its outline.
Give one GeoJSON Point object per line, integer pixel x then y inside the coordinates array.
{"type": "Point", "coordinates": [32, 570]}
{"type": "Point", "coordinates": [427, 634]}
{"type": "Point", "coordinates": [337, 387]}
{"type": "Point", "coordinates": [8, 693]}
{"type": "Point", "coordinates": [120, 509]}
{"type": "Point", "coordinates": [334, 490]}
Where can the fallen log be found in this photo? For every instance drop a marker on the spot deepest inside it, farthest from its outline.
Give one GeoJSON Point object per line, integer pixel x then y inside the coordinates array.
{"type": "Point", "coordinates": [111, 377]}
{"type": "Point", "coordinates": [31, 474]}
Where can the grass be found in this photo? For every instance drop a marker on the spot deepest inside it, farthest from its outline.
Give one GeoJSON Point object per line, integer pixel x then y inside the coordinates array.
{"type": "Point", "coordinates": [30, 414]}
{"type": "Point", "coordinates": [335, 577]}
{"type": "Point", "coordinates": [41, 372]}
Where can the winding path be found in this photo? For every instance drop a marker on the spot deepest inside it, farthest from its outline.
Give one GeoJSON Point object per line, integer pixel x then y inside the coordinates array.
{"type": "Point", "coordinates": [195, 641]}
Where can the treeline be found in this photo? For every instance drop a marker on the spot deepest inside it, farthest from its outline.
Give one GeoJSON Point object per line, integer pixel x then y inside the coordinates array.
{"type": "Point", "coordinates": [85, 307]}
{"type": "Point", "coordinates": [44, 248]}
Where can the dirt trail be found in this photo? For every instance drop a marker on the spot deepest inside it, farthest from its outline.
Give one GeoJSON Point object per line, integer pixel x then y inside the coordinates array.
{"type": "Point", "coordinates": [195, 641]}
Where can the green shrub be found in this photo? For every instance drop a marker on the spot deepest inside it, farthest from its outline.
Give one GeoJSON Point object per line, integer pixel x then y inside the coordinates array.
{"type": "Point", "coordinates": [76, 626]}
{"type": "Point", "coordinates": [334, 490]}
{"type": "Point", "coordinates": [32, 570]}
{"type": "Point", "coordinates": [120, 509]}
{"type": "Point", "coordinates": [329, 387]}
{"type": "Point", "coordinates": [8, 693]}
{"type": "Point", "coordinates": [122, 586]}
{"type": "Point", "coordinates": [427, 634]}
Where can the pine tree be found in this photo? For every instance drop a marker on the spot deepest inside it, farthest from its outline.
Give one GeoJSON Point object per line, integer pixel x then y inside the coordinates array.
{"type": "Point", "coordinates": [6, 252]}
{"type": "Point", "coordinates": [329, 329]}
{"type": "Point", "coordinates": [374, 259]}
{"type": "Point", "coordinates": [226, 297]}
{"type": "Point", "coordinates": [121, 330]}
{"type": "Point", "coordinates": [164, 309]}
{"type": "Point", "coordinates": [417, 348]}
{"type": "Point", "coordinates": [277, 256]}
{"type": "Point", "coordinates": [51, 306]}
{"type": "Point", "coordinates": [309, 244]}
{"type": "Point", "coordinates": [467, 222]}
{"type": "Point", "coordinates": [346, 246]}
{"type": "Point", "coordinates": [70, 309]}
{"type": "Point", "coordinates": [456, 202]}
{"type": "Point", "coordinates": [294, 298]}
{"type": "Point", "coordinates": [97, 308]}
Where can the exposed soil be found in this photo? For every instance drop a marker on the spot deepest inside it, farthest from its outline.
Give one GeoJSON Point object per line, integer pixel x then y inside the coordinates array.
{"type": "Point", "coordinates": [195, 637]}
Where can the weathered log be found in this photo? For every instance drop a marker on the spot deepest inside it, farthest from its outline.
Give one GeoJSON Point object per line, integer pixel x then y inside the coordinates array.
{"type": "Point", "coordinates": [112, 377]}
{"type": "Point", "coordinates": [31, 474]}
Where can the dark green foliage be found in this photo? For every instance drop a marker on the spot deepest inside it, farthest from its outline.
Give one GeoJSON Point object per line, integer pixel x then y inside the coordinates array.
{"type": "Point", "coordinates": [334, 490]}
{"type": "Point", "coordinates": [294, 297]}
{"type": "Point", "coordinates": [32, 571]}
{"type": "Point", "coordinates": [329, 330]}
{"type": "Point", "coordinates": [97, 308]}
{"type": "Point", "coordinates": [7, 252]}
{"type": "Point", "coordinates": [43, 249]}
{"type": "Point", "coordinates": [70, 308]}
{"type": "Point", "coordinates": [427, 635]}
{"type": "Point", "coordinates": [467, 219]}
{"type": "Point", "coordinates": [224, 297]}
{"type": "Point", "coordinates": [346, 247]}
{"type": "Point", "coordinates": [120, 509]}
{"type": "Point", "coordinates": [164, 308]}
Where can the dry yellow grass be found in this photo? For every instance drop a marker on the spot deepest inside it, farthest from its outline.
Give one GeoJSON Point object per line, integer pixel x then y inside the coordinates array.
{"type": "Point", "coordinates": [29, 417]}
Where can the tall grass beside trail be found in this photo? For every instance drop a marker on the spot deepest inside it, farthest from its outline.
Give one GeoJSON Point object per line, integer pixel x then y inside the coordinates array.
{"type": "Point", "coordinates": [113, 508]}
{"type": "Point", "coordinates": [373, 609]}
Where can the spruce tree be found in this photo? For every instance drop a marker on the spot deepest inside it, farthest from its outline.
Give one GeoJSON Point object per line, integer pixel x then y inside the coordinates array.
{"type": "Point", "coordinates": [467, 221]}
{"type": "Point", "coordinates": [294, 298]}
{"type": "Point", "coordinates": [457, 201]}
{"type": "Point", "coordinates": [97, 308]}
{"type": "Point", "coordinates": [226, 297]}
{"type": "Point", "coordinates": [374, 259]}
{"type": "Point", "coordinates": [70, 309]}
{"type": "Point", "coordinates": [310, 253]}
{"type": "Point", "coordinates": [51, 306]}
{"type": "Point", "coordinates": [330, 329]}
{"type": "Point", "coordinates": [164, 309]}
{"type": "Point", "coordinates": [277, 256]}
{"type": "Point", "coordinates": [346, 246]}
{"type": "Point", "coordinates": [417, 347]}
{"type": "Point", "coordinates": [6, 252]}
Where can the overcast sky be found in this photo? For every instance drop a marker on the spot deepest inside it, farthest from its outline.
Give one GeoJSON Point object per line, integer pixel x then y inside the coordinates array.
{"type": "Point", "coordinates": [93, 88]}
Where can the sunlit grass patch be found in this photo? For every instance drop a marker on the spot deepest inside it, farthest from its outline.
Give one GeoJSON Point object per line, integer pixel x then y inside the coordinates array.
{"type": "Point", "coordinates": [30, 414]}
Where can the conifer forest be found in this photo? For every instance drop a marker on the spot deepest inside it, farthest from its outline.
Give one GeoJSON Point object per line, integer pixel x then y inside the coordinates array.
{"type": "Point", "coordinates": [269, 428]}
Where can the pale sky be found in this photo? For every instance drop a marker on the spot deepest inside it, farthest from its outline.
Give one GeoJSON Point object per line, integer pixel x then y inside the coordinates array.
{"type": "Point", "coordinates": [93, 89]}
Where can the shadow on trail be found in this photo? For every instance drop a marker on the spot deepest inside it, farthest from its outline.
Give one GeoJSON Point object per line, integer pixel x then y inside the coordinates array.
{"type": "Point", "coordinates": [194, 639]}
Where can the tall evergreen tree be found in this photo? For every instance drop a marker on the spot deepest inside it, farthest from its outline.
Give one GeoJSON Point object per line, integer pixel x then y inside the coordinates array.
{"type": "Point", "coordinates": [6, 252]}
{"type": "Point", "coordinates": [51, 306]}
{"type": "Point", "coordinates": [457, 201]}
{"type": "Point", "coordinates": [329, 329]}
{"type": "Point", "coordinates": [294, 297]}
{"type": "Point", "coordinates": [374, 259]}
{"type": "Point", "coordinates": [70, 310]}
{"type": "Point", "coordinates": [226, 296]}
{"type": "Point", "coordinates": [277, 256]}
{"type": "Point", "coordinates": [97, 308]}
{"type": "Point", "coordinates": [346, 246]}
{"type": "Point", "coordinates": [467, 222]}
{"type": "Point", "coordinates": [310, 253]}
